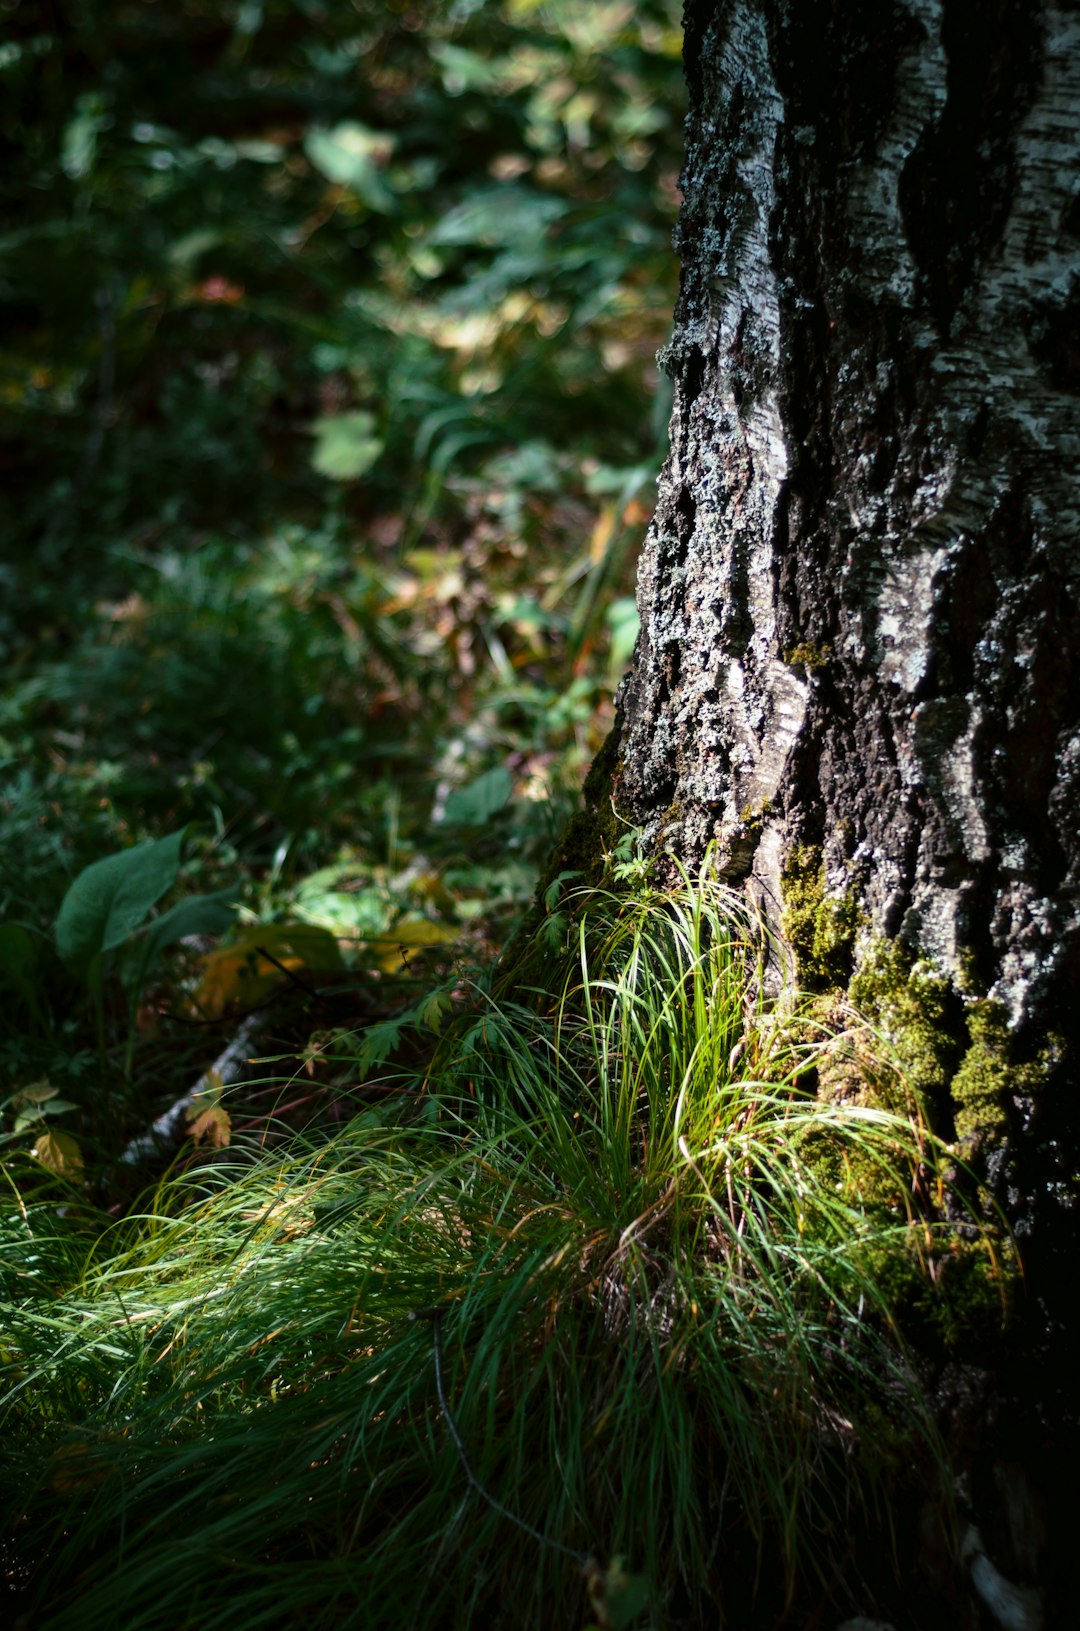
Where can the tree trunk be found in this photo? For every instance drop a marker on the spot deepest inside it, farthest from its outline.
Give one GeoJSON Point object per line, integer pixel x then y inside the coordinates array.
{"type": "Point", "coordinates": [858, 598]}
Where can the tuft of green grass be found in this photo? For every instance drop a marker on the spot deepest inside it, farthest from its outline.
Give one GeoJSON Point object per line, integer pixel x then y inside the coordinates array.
{"type": "Point", "coordinates": [588, 1300]}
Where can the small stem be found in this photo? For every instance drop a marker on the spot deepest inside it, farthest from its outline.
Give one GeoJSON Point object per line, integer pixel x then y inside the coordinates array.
{"type": "Point", "coordinates": [434, 1316]}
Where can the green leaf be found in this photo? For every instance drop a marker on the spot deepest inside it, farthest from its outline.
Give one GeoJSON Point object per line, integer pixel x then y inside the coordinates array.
{"type": "Point", "coordinates": [79, 146]}
{"type": "Point", "coordinates": [436, 1009]}
{"type": "Point", "coordinates": [479, 800]}
{"type": "Point", "coordinates": [623, 621]}
{"type": "Point", "coordinates": [381, 1039]}
{"type": "Point", "coordinates": [199, 914]}
{"type": "Point", "coordinates": [344, 446]}
{"type": "Point", "coordinates": [501, 215]}
{"type": "Point", "coordinates": [554, 888]}
{"type": "Point", "coordinates": [110, 898]}
{"type": "Point", "coordinates": [353, 155]}
{"type": "Point", "coordinates": [617, 1598]}
{"type": "Point", "coordinates": [36, 1093]}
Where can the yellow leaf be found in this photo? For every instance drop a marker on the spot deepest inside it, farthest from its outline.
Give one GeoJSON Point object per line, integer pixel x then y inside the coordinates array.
{"type": "Point", "coordinates": [59, 1152]}
{"type": "Point", "coordinates": [411, 934]}
{"type": "Point", "coordinates": [214, 1125]}
{"type": "Point", "coordinates": [249, 969]}
{"type": "Point", "coordinates": [39, 1092]}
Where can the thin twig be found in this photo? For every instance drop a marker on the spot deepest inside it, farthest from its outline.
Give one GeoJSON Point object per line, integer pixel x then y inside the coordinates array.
{"type": "Point", "coordinates": [290, 974]}
{"type": "Point", "coordinates": [434, 1317]}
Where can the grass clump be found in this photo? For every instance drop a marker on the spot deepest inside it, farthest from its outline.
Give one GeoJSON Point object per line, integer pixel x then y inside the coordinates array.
{"type": "Point", "coordinates": [659, 1351]}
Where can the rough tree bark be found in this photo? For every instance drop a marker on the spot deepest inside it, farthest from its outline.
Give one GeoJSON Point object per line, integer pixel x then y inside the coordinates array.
{"type": "Point", "coordinates": [859, 594]}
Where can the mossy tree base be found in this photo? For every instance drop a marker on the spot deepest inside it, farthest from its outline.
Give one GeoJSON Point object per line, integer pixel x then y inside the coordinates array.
{"type": "Point", "coordinates": [860, 596]}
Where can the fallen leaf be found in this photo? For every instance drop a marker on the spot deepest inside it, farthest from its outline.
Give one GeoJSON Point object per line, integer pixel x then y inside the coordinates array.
{"type": "Point", "coordinates": [214, 1125]}
{"type": "Point", "coordinates": [59, 1152]}
{"type": "Point", "coordinates": [241, 974]}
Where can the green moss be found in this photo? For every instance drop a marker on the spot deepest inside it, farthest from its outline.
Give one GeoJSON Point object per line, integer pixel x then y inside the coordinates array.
{"type": "Point", "coordinates": [984, 1076]}
{"type": "Point", "coordinates": [808, 655]}
{"type": "Point", "coordinates": [819, 926]}
{"type": "Point", "coordinates": [949, 1047]}
{"type": "Point", "coordinates": [990, 1073]}
{"type": "Point", "coordinates": [752, 816]}
{"type": "Point", "coordinates": [913, 1005]}
{"type": "Point", "coordinates": [954, 1297]}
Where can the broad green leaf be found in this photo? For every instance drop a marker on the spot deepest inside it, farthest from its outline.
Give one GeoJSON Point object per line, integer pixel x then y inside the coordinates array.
{"type": "Point", "coordinates": [617, 1598]}
{"type": "Point", "coordinates": [345, 900]}
{"type": "Point", "coordinates": [52, 1106]}
{"type": "Point", "coordinates": [623, 621]}
{"type": "Point", "coordinates": [199, 914]}
{"type": "Point", "coordinates": [110, 898]}
{"type": "Point", "coordinates": [477, 801]}
{"type": "Point", "coordinates": [353, 156]}
{"type": "Point", "coordinates": [501, 215]}
{"type": "Point", "coordinates": [41, 1112]}
{"type": "Point", "coordinates": [344, 446]}
{"type": "Point", "coordinates": [79, 147]}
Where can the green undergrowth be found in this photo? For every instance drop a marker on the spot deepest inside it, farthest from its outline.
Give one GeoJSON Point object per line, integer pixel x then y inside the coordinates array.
{"type": "Point", "coordinates": [569, 1329]}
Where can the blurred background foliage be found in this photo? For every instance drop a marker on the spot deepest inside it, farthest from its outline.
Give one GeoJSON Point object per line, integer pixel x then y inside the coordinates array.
{"type": "Point", "coordinates": [329, 408]}
{"type": "Point", "coordinates": [329, 424]}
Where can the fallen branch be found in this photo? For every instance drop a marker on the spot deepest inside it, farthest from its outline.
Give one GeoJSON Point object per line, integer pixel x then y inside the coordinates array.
{"type": "Point", "coordinates": [170, 1126]}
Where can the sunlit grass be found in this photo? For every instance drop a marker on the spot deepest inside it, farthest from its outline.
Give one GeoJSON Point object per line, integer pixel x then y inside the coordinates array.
{"type": "Point", "coordinates": [660, 1337]}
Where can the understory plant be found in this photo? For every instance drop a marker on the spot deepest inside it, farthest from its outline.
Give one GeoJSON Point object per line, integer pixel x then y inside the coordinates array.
{"type": "Point", "coordinates": [576, 1327]}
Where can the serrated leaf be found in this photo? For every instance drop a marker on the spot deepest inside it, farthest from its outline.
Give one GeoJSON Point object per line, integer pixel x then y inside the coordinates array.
{"type": "Point", "coordinates": [479, 800]}
{"type": "Point", "coordinates": [212, 1126]}
{"type": "Point", "coordinates": [59, 1152]}
{"type": "Point", "coordinates": [554, 888]}
{"type": "Point", "coordinates": [380, 1040]}
{"type": "Point", "coordinates": [435, 1010]}
{"type": "Point", "coordinates": [345, 448]}
{"type": "Point", "coordinates": [552, 932]}
{"type": "Point", "coordinates": [110, 898]}
{"type": "Point", "coordinates": [38, 1108]}
{"type": "Point", "coordinates": [38, 1092]}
